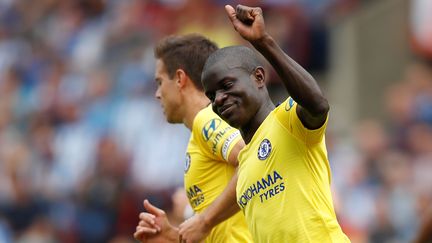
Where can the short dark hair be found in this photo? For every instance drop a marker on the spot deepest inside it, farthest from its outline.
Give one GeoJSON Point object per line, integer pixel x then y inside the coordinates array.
{"type": "Point", "coordinates": [188, 52]}
{"type": "Point", "coordinates": [242, 56]}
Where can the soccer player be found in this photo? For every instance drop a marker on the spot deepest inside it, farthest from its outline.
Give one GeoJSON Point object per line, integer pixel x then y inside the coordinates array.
{"type": "Point", "coordinates": [211, 157]}
{"type": "Point", "coordinates": [283, 185]}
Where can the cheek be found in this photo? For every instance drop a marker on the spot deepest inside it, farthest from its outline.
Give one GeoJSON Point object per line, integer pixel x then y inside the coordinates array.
{"type": "Point", "coordinates": [172, 98]}
{"type": "Point", "coordinates": [164, 91]}
{"type": "Point", "coordinates": [249, 105]}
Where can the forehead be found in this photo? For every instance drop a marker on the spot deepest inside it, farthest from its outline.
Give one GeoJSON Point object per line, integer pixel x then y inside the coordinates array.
{"type": "Point", "coordinates": [222, 70]}
{"type": "Point", "coordinates": [160, 68]}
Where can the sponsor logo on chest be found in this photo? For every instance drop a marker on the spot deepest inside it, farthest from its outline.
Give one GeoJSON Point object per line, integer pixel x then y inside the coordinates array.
{"type": "Point", "coordinates": [265, 188]}
{"type": "Point", "coordinates": [195, 196]}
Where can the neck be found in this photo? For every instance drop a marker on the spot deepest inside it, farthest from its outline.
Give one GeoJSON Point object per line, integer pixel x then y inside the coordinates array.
{"type": "Point", "coordinates": [248, 131]}
{"type": "Point", "coordinates": [194, 101]}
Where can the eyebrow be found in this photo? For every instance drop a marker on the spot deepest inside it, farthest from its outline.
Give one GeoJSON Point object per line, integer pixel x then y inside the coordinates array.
{"type": "Point", "coordinates": [225, 78]}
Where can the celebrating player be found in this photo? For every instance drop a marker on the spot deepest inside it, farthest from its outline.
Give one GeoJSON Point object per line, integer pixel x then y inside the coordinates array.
{"type": "Point", "coordinates": [283, 185]}
{"type": "Point", "coordinates": [211, 157]}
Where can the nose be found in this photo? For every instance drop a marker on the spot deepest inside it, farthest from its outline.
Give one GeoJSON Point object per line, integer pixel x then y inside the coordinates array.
{"type": "Point", "coordinates": [158, 93]}
{"type": "Point", "coordinates": [219, 98]}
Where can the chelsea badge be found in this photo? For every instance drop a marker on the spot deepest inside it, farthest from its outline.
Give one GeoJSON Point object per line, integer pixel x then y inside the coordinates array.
{"type": "Point", "coordinates": [264, 149]}
{"type": "Point", "coordinates": [187, 163]}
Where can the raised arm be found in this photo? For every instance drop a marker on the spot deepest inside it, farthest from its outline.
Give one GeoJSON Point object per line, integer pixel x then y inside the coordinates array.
{"type": "Point", "coordinates": [312, 105]}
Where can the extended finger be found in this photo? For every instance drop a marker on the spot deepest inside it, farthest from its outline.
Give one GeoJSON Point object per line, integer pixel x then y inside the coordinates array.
{"type": "Point", "coordinates": [153, 209]}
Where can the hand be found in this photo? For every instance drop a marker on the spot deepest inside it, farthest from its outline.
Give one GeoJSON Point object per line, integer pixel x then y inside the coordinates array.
{"type": "Point", "coordinates": [154, 226]}
{"type": "Point", "coordinates": [194, 229]}
{"type": "Point", "coordinates": [247, 21]}
{"type": "Point", "coordinates": [146, 228]}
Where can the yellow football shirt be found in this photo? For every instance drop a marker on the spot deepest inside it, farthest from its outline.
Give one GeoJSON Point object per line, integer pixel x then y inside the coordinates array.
{"type": "Point", "coordinates": [207, 172]}
{"type": "Point", "coordinates": [284, 182]}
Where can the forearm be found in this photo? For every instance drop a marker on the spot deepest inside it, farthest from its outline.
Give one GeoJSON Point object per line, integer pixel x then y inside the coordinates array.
{"type": "Point", "coordinates": [223, 207]}
{"type": "Point", "coordinates": [299, 83]}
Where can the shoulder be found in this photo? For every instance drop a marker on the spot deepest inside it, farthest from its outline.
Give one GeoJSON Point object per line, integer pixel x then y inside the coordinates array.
{"type": "Point", "coordinates": [286, 105]}
{"type": "Point", "coordinates": [206, 123]}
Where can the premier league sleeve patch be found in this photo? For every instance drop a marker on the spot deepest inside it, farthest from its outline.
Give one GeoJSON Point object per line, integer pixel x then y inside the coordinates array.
{"type": "Point", "coordinates": [187, 163]}
{"type": "Point", "coordinates": [289, 104]}
{"type": "Point", "coordinates": [264, 149]}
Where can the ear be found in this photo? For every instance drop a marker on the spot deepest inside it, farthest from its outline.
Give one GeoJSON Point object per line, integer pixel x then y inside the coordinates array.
{"type": "Point", "coordinates": [259, 75]}
{"type": "Point", "coordinates": [181, 78]}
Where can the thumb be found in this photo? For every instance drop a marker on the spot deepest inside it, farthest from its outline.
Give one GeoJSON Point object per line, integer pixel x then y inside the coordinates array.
{"type": "Point", "coordinates": [231, 13]}
{"type": "Point", "coordinates": [153, 209]}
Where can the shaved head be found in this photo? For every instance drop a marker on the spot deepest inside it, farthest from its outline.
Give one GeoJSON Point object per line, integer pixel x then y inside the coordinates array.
{"type": "Point", "coordinates": [234, 57]}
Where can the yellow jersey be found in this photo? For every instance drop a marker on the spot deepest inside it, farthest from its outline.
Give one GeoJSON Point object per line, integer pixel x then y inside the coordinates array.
{"type": "Point", "coordinates": [283, 187]}
{"type": "Point", "coordinates": [207, 172]}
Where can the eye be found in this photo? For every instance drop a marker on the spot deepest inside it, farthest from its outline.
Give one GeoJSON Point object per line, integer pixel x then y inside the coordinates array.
{"type": "Point", "coordinates": [228, 85]}
{"type": "Point", "coordinates": [158, 82]}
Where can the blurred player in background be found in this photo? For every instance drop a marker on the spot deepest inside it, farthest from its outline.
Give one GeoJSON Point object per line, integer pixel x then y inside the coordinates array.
{"type": "Point", "coordinates": [211, 157]}
{"type": "Point", "coordinates": [283, 185]}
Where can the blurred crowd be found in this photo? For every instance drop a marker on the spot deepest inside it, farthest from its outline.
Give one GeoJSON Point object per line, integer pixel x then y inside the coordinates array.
{"type": "Point", "coordinates": [83, 140]}
{"type": "Point", "coordinates": [381, 177]}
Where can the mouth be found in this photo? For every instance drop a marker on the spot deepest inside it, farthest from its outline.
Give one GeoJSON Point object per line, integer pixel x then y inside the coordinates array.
{"type": "Point", "coordinates": [225, 110]}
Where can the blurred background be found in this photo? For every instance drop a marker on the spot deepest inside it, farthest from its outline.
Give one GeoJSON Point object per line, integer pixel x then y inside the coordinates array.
{"type": "Point", "coordinates": [83, 140]}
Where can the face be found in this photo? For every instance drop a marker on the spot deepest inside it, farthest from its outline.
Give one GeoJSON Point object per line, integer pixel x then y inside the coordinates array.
{"type": "Point", "coordinates": [167, 93]}
{"type": "Point", "coordinates": [233, 93]}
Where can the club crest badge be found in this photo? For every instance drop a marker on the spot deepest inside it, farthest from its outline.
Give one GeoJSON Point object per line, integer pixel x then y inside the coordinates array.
{"type": "Point", "coordinates": [264, 149]}
{"type": "Point", "coordinates": [187, 163]}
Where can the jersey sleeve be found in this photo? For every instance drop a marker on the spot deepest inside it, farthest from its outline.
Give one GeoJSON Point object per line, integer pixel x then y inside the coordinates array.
{"type": "Point", "coordinates": [287, 116]}
{"type": "Point", "coordinates": [216, 138]}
